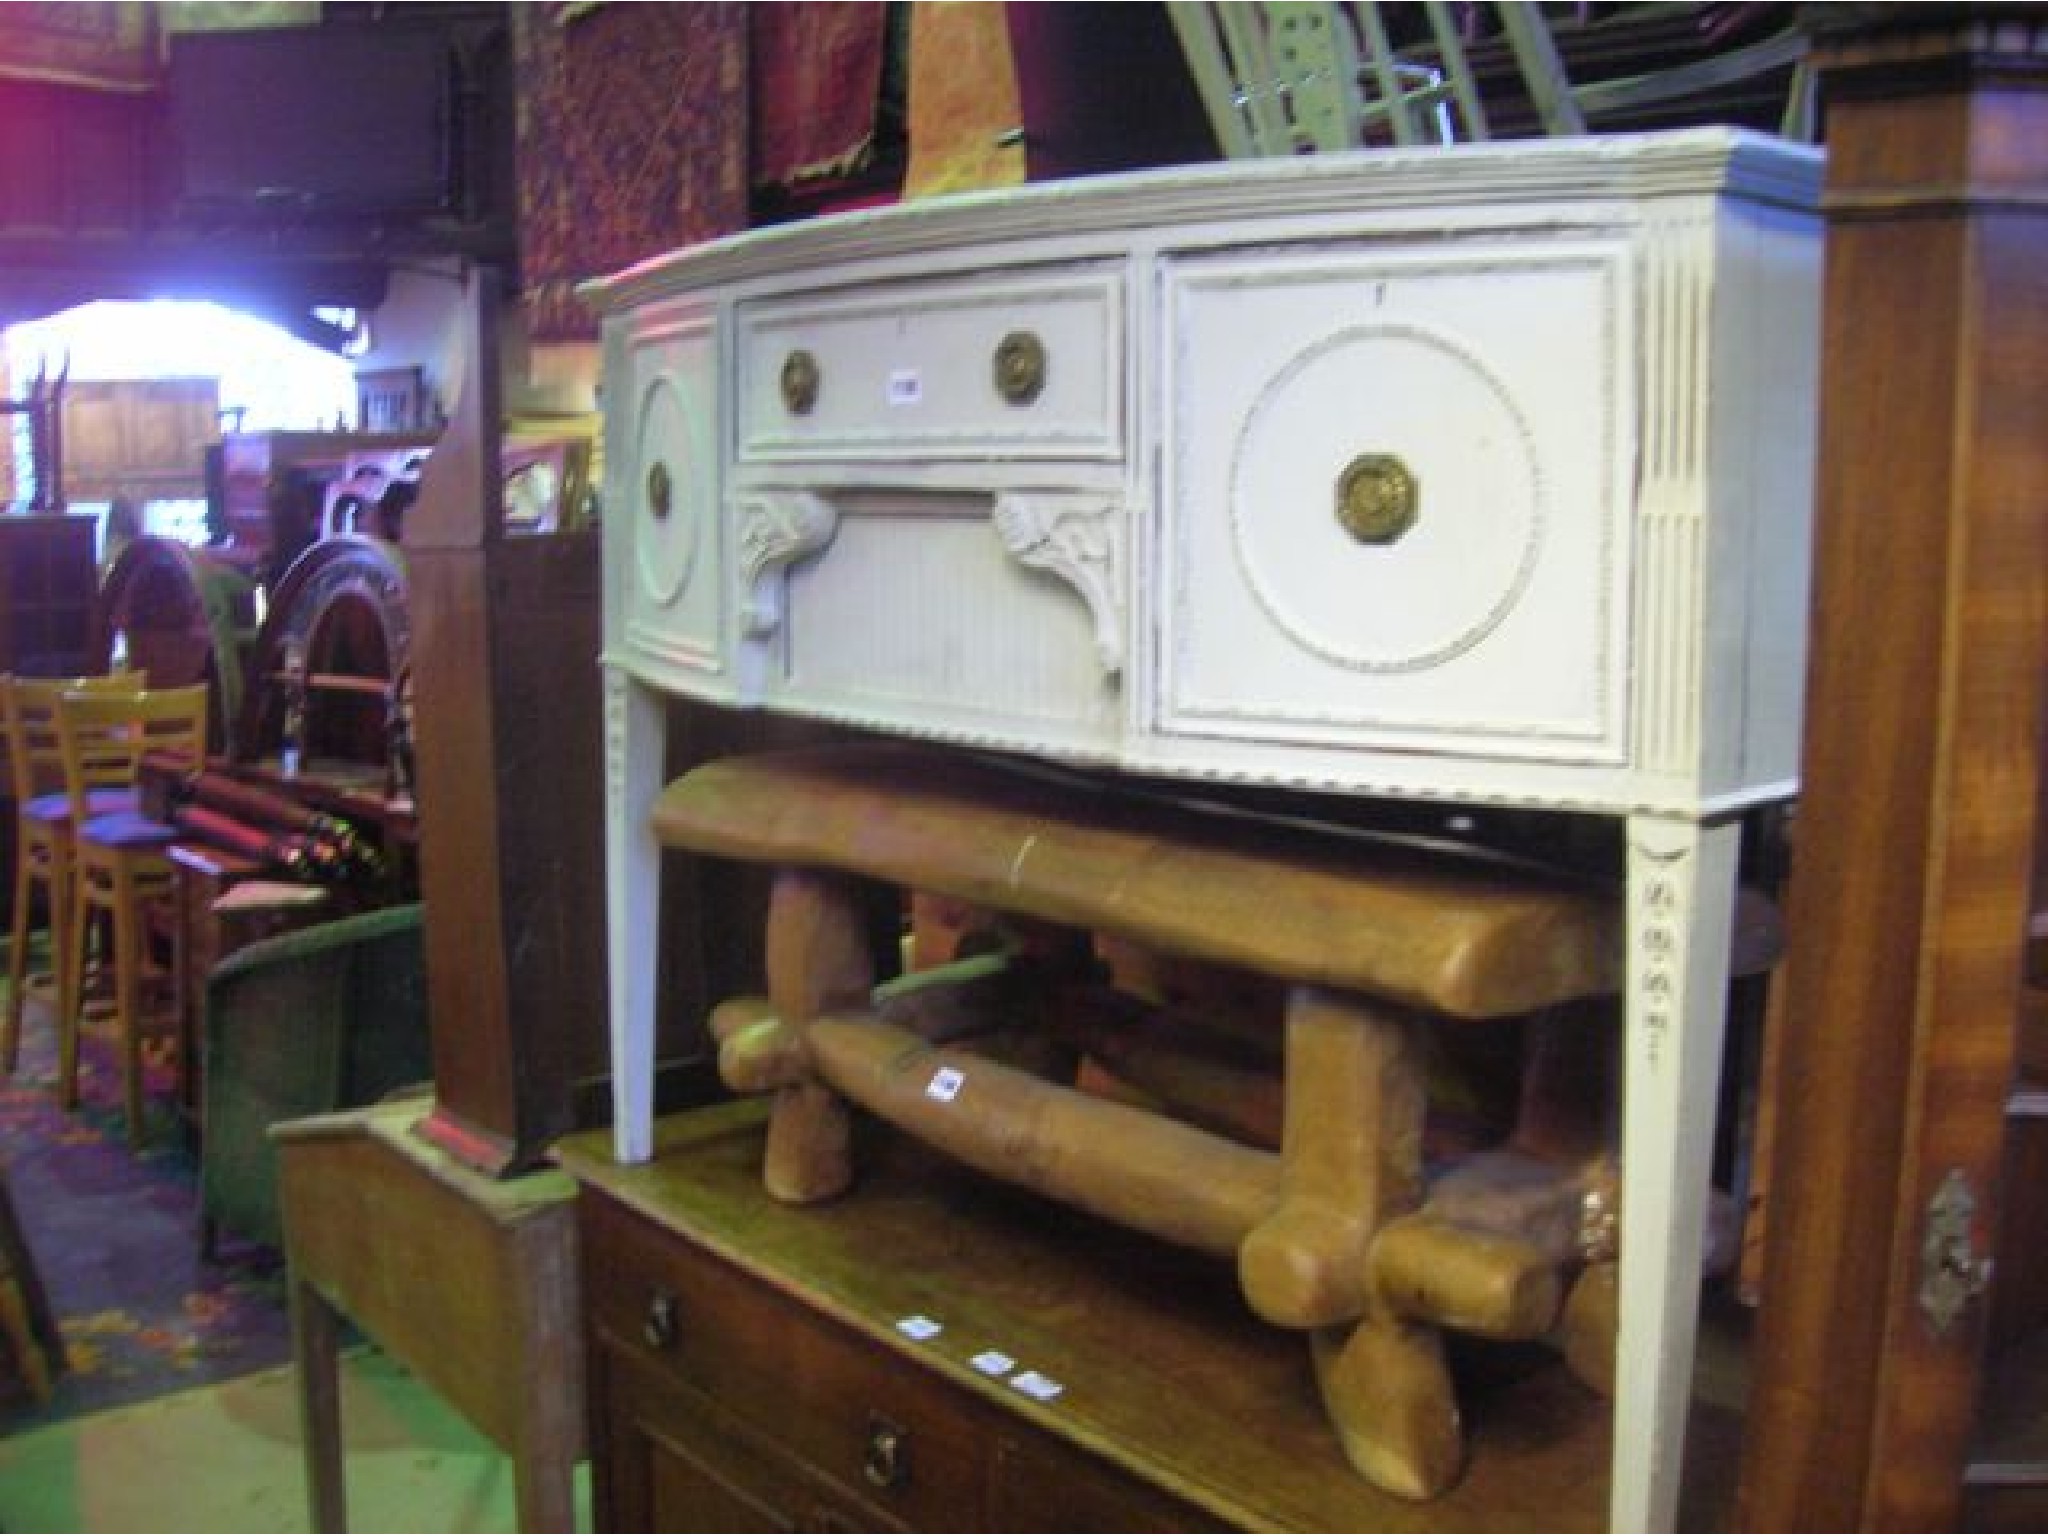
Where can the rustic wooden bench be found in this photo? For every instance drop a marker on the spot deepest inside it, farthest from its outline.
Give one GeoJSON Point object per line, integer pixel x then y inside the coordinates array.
{"type": "Point", "coordinates": [1340, 1231]}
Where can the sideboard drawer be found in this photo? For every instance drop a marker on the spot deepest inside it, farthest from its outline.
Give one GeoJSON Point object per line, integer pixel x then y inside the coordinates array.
{"type": "Point", "coordinates": [1028, 366]}
{"type": "Point", "coordinates": [1399, 509]}
{"type": "Point", "coordinates": [882, 1431]}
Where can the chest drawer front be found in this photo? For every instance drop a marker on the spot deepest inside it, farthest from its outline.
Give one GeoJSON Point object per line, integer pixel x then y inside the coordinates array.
{"type": "Point", "coordinates": [1396, 509]}
{"type": "Point", "coordinates": [888, 1435]}
{"type": "Point", "coordinates": [666, 490]}
{"type": "Point", "coordinates": [1025, 367]}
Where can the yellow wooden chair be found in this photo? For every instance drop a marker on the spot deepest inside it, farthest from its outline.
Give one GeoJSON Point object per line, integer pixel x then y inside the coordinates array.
{"type": "Point", "coordinates": [42, 834]}
{"type": "Point", "coordinates": [120, 865]}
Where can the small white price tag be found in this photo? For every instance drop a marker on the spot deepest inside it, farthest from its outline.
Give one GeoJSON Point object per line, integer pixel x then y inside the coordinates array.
{"type": "Point", "coordinates": [1032, 1384]}
{"type": "Point", "coordinates": [945, 1085]}
{"type": "Point", "coordinates": [993, 1362]}
{"type": "Point", "coordinates": [906, 386]}
{"type": "Point", "coordinates": [919, 1327]}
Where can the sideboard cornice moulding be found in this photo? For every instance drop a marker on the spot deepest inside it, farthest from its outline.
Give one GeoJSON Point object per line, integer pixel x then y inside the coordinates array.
{"type": "Point", "coordinates": [1115, 212]}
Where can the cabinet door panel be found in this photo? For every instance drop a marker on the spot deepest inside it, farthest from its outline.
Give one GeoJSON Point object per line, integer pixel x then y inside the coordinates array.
{"type": "Point", "coordinates": [1396, 510]}
{"type": "Point", "coordinates": [665, 493]}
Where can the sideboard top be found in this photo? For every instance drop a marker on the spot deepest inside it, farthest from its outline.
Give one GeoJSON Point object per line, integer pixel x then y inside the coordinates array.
{"type": "Point", "coordinates": [1736, 162]}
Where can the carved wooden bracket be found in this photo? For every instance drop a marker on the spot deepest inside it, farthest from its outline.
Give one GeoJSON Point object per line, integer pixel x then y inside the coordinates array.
{"type": "Point", "coordinates": [775, 530]}
{"type": "Point", "coordinates": [1079, 539]}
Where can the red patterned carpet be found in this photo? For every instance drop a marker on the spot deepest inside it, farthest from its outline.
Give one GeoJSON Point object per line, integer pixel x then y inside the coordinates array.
{"type": "Point", "coordinates": [114, 1234]}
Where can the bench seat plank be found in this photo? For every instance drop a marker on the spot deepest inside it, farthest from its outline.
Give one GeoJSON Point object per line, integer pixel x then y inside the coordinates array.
{"type": "Point", "coordinates": [1470, 937]}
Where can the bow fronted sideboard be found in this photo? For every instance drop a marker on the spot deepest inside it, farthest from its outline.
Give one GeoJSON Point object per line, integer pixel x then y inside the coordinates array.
{"type": "Point", "coordinates": [1477, 476]}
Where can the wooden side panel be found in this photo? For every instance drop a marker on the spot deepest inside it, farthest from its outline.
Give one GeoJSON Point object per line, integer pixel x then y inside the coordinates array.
{"type": "Point", "coordinates": [1910, 888]}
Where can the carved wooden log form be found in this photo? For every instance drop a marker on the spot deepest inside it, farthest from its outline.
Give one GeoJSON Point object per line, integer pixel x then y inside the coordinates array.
{"type": "Point", "coordinates": [1464, 939]}
{"type": "Point", "coordinates": [1351, 1155]}
{"type": "Point", "coordinates": [1388, 1394]}
{"type": "Point", "coordinates": [1494, 1284]}
{"type": "Point", "coordinates": [1129, 1165]}
{"type": "Point", "coordinates": [1543, 1203]}
{"type": "Point", "coordinates": [817, 958]}
{"type": "Point", "coordinates": [1332, 1235]}
{"type": "Point", "coordinates": [1587, 1327]}
{"type": "Point", "coordinates": [1175, 1060]}
{"type": "Point", "coordinates": [1474, 1255]}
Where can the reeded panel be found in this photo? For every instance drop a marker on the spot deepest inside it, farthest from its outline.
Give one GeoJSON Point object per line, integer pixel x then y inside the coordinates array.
{"type": "Point", "coordinates": [929, 613]}
{"type": "Point", "coordinates": [1395, 514]}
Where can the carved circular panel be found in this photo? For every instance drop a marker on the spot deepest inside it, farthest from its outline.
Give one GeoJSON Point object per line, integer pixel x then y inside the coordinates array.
{"type": "Point", "coordinates": [1471, 492]}
{"type": "Point", "coordinates": [665, 537]}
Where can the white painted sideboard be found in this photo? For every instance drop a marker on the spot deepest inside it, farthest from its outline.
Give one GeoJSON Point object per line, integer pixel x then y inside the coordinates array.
{"type": "Point", "coordinates": [1475, 475]}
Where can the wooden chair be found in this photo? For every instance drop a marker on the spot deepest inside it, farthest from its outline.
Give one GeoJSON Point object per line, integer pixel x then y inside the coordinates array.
{"type": "Point", "coordinates": [1286, 78]}
{"type": "Point", "coordinates": [42, 811]}
{"type": "Point", "coordinates": [121, 867]}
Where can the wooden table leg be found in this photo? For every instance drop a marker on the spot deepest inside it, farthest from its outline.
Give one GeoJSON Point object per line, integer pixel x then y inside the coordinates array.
{"type": "Point", "coordinates": [316, 1337]}
{"type": "Point", "coordinates": [544, 1485]}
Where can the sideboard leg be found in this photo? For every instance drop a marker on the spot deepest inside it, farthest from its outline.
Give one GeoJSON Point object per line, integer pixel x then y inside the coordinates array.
{"type": "Point", "coordinates": [635, 737]}
{"type": "Point", "coordinates": [1681, 896]}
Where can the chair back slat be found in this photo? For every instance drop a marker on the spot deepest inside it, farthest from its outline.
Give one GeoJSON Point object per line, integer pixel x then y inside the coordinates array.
{"type": "Point", "coordinates": [103, 736]}
{"type": "Point", "coordinates": [35, 758]}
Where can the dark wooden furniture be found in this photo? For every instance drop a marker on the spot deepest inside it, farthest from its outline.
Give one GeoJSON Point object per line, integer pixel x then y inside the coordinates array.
{"type": "Point", "coordinates": [274, 485]}
{"type": "Point", "coordinates": [205, 930]}
{"type": "Point", "coordinates": [369, 1209]}
{"type": "Point", "coordinates": [1917, 836]}
{"type": "Point", "coordinates": [755, 1367]}
{"type": "Point", "coordinates": [509, 745]}
{"type": "Point", "coordinates": [48, 576]}
{"type": "Point", "coordinates": [178, 615]}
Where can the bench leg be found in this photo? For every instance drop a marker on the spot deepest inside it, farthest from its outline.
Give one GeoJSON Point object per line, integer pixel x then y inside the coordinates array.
{"type": "Point", "coordinates": [1351, 1157]}
{"type": "Point", "coordinates": [1388, 1394]}
{"type": "Point", "coordinates": [818, 959]}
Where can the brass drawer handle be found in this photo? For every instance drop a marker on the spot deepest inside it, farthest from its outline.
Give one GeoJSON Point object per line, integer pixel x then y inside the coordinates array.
{"type": "Point", "coordinates": [800, 382]}
{"type": "Point", "coordinates": [1378, 498]}
{"type": "Point", "coordinates": [1020, 364]}
{"type": "Point", "coordinates": [658, 1327]}
{"type": "Point", "coordinates": [660, 490]}
{"type": "Point", "coordinates": [886, 1461]}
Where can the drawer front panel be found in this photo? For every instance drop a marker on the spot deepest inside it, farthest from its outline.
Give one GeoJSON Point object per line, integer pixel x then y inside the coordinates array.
{"type": "Point", "coordinates": [678, 1463]}
{"type": "Point", "coordinates": [1031, 367]}
{"type": "Point", "coordinates": [890, 1436]}
{"type": "Point", "coordinates": [1395, 515]}
{"type": "Point", "coordinates": [674, 601]}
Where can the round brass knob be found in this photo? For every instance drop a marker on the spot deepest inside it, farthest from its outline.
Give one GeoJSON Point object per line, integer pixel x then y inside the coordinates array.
{"type": "Point", "coordinates": [660, 490]}
{"type": "Point", "coordinates": [1020, 363]}
{"type": "Point", "coordinates": [800, 382]}
{"type": "Point", "coordinates": [1378, 498]}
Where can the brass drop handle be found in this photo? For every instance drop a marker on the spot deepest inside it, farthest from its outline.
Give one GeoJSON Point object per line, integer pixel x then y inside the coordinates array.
{"type": "Point", "coordinates": [658, 1327]}
{"type": "Point", "coordinates": [660, 490]}
{"type": "Point", "coordinates": [800, 380]}
{"type": "Point", "coordinates": [886, 1461]}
